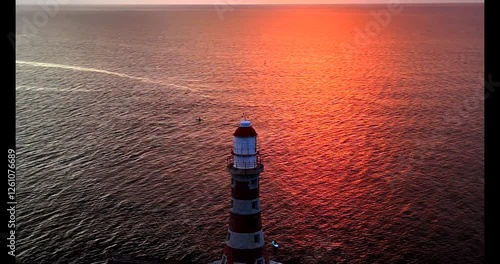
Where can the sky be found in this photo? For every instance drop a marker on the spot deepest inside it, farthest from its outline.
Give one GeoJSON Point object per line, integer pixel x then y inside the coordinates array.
{"type": "Point", "coordinates": [234, 2]}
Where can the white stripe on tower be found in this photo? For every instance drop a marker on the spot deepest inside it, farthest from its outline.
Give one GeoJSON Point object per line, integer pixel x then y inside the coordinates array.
{"type": "Point", "coordinates": [245, 240]}
{"type": "Point", "coordinates": [245, 207]}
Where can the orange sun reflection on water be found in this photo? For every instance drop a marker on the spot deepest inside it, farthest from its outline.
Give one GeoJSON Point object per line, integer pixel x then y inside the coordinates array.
{"type": "Point", "coordinates": [330, 106]}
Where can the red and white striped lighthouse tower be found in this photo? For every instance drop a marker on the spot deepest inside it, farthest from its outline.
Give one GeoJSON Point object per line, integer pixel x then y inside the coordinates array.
{"type": "Point", "coordinates": [245, 239]}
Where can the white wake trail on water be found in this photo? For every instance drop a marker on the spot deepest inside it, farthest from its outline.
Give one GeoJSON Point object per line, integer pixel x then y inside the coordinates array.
{"type": "Point", "coordinates": [38, 88]}
{"type": "Point", "coordinates": [123, 75]}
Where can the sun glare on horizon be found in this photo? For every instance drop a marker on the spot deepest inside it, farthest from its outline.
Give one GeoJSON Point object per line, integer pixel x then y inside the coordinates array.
{"type": "Point", "coordinates": [239, 2]}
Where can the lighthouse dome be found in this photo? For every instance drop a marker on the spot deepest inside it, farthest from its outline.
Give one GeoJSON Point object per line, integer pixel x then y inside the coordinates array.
{"type": "Point", "coordinates": [245, 123]}
{"type": "Point", "coordinates": [245, 130]}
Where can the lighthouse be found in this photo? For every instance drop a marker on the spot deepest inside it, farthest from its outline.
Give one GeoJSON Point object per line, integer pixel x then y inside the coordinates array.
{"type": "Point", "coordinates": [245, 239]}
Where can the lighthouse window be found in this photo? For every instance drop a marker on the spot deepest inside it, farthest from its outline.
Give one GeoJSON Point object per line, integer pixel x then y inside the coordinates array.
{"type": "Point", "coordinates": [256, 238]}
{"type": "Point", "coordinates": [228, 236]}
{"type": "Point", "coordinates": [224, 259]}
{"type": "Point", "coordinates": [259, 261]}
{"type": "Point", "coordinates": [232, 203]}
{"type": "Point", "coordinates": [253, 184]}
{"type": "Point", "coordinates": [255, 205]}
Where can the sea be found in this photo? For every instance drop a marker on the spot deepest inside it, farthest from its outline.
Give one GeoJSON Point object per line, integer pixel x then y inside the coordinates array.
{"type": "Point", "coordinates": [369, 118]}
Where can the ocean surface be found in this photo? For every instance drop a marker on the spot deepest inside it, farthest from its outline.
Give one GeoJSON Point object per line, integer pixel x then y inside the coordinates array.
{"type": "Point", "coordinates": [371, 127]}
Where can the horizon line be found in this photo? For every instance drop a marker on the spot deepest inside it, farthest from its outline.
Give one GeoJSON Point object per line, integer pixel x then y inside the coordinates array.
{"type": "Point", "coordinates": [253, 4]}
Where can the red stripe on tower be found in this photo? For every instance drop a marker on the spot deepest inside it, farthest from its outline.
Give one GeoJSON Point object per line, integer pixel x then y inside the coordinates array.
{"type": "Point", "coordinates": [245, 239]}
